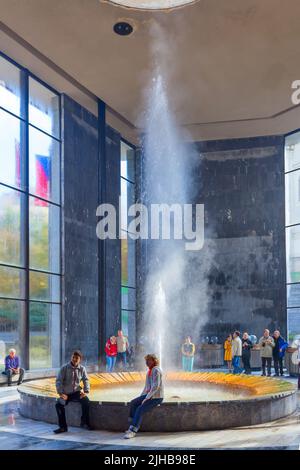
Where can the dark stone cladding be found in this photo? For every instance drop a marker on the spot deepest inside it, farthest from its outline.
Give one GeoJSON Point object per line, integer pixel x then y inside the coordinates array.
{"type": "Point", "coordinates": [241, 184]}
{"type": "Point", "coordinates": [81, 326]}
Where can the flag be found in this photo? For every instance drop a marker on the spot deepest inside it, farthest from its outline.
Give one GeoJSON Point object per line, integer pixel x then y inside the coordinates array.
{"type": "Point", "coordinates": [42, 166]}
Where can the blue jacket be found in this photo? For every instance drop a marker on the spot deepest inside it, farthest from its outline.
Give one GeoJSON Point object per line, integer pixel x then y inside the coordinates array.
{"type": "Point", "coordinates": [279, 344]}
{"type": "Point", "coordinates": [12, 363]}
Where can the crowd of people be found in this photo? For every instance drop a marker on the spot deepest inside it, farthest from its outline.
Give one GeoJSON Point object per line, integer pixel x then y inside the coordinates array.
{"type": "Point", "coordinates": [237, 353]}
{"type": "Point", "coordinates": [237, 349]}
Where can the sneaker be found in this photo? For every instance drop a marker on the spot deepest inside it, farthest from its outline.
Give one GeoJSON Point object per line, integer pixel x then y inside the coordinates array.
{"type": "Point", "coordinates": [60, 430]}
{"type": "Point", "coordinates": [263, 375]}
{"type": "Point", "coordinates": [129, 434]}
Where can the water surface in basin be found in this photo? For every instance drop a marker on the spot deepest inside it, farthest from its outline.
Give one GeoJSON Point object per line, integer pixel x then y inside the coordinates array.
{"type": "Point", "coordinates": [173, 392]}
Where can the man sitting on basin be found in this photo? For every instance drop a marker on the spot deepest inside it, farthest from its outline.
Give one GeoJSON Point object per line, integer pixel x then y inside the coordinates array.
{"type": "Point", "coordinates": [69, 389]}
{"type": "Point", "coordinates": [152, 395]}
{"type": "Point", "coordinates": [12, 367]}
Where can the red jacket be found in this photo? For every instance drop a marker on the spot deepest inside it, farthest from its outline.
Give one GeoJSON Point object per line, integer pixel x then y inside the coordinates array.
{"type": "Point", "coordinates": [111, 349]}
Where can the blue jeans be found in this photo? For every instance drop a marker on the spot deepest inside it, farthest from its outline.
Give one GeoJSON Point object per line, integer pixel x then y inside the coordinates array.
{"type": "Point", "coordinates": [137, 410]}
{"type": "Point", "coordinates": [187, 363]}
{"type": "Point", "coordinates": [122, 358]}
{"type": "Point", "coordinates": [236, 365]}
{"type": "Point", "coordinates": [110, 363]}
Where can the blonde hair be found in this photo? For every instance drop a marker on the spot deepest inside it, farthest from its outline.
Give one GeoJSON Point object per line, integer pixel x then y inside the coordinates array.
{"type": "Point", "coordinates": [153, 357]}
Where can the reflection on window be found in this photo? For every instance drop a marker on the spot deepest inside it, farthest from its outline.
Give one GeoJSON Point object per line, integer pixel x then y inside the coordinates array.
{"type": "Point", "coordinates": [128, 267]}
{"type": "Point", "coordinates": [43, 166]}
{"type": "Point", "coordinates": [292, 210]}
{"type": "Point", "coordinates": [43, 108]}
{"type": "Point", "coordinates": [29, 215]}
{"type": "Point", "coordinates": [10, 81]}
{"type": "Point", "coordinates": [10, 226]}
{"type": "Point", "coordinates": [11, 160]}
{"type": "Point", "coordinates": [44, 235]}
{"type": "Point", "coordinates": [44, 328]}
{"type": "Point", "coordinates": [10, 324]}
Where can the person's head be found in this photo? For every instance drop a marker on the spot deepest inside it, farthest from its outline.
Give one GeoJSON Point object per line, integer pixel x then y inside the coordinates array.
{"type": "Point", "coordinates": [266, 333]}
{"type": "Point", "coordinates": [276, 334]}
{"type": "Point", "coordinates": [12, 352]}
{"type": "Point", "coordinates": [76, 357]}
{"type": "Point", "coordinates": [120, 333]}
{"type": "Point", "coordinates": [236, 334]}
{"type": "Point", "coordinates": [188, 339]}
{"type": "Point", "coordinates": [151, 360]}
{"type": "Point", "coordinates": [229, 337]}
{"type": "Point", "coordinates": [113, 339]}
{"type": "Point", "coordinates": [245, 335]}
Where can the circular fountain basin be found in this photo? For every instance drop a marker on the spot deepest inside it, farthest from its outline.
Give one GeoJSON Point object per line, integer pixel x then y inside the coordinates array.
{"type": "Point", "coordinates": [193, 401]}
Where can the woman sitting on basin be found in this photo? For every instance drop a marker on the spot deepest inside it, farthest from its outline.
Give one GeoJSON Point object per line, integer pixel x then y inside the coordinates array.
{"type": "Point", "coordinates": [151, 396]}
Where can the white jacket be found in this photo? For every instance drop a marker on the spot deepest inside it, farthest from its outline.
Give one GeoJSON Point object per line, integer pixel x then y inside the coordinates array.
{"type": "Point", "coordinates": [236, 346]}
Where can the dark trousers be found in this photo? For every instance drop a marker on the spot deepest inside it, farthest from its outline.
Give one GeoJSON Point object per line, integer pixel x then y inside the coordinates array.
{"type": "Point", "coordinates": [122, 358]}
{"type": "Point", "coordinates": [246, 362]}
{"type": "Point", "coordinates": [10, 373]}
{"type": "Point", "coordinates": [278, 364]}
{"type": "Point", "coordinates": [60, 409]}
{"type": "Point", "coordinates": [266, 361]}
{"type": "Point", "coordinates": [137, 410]}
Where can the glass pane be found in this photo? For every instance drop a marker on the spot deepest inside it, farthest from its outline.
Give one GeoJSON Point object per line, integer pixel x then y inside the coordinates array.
{"type": "Point", "coordinates": [293, 254]}
{"type": "Point", "coordinates": [44, 287]}
{"type": "Point", "coordinates": [127, 162]}
{"type": "Point", "coordinates": [127, 199]}
{"type": "Point", "coordinates": [128, 298]}
{"type": "Point", "coordinates": [44, 174]}
{"type": "Point", "coordinates": [124, 322]}
{"type": "Point", "coordinates": [11, 312]}
{"type": "Point", "coordinates": [44, 343]}
{"type": "Point", "coordinates": [128, 262]}
{"type": "Point", "coordinates": [10, 223]}
{"type": "Point", "coordinates": [294, 323]}
{"type": "Point", "coordinates": [11, 159]}
{"type": "Point", "coordinates": [128, 322]}
{"type": "Point", "coordinates": [44, 235]}
{"type": "Point", "coordinates": [43, 108]}
{"type": "Point", "coordinates": [10, 81]}
{"type": "Point", "coordinates": [292, 152]}
{"type": "Point", "coordinates": [292, 198]}
{"type": "Point", "coordinates": [12, 282]}
{"type": "Point", "coordinates": [293, 295]}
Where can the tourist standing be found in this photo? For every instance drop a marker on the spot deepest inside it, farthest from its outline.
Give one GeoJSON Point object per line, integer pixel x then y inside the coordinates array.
{"type": "Point", "coordinates": [111, 353]}
{"type": "Point", "coordinates": [228, 352]}
{"type": "Point", "coordinates": [151, 396]}
{"type": "Point", "coordinates": [236, 352]}
{"type": "Point", "coordinates": [279, 349]}
{"type": "Point", "coordinates": [69, 389]}
{"type": "Point", "coordinates": [188, 354]}
{"type": "Point", "coordinates": [12, 367]}
{"type": "Point", "coordinates": [246, 352]}
{"type": "Point", "coordinates": [266, 344]}
{"type": "Point", "coordinates": [122, 346]}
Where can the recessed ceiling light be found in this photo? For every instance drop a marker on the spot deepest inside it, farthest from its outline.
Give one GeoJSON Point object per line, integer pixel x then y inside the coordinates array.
{"type": "Point", "coordinates": [122, 28]}
{"type": "Point", "coordinates": [151, 4]}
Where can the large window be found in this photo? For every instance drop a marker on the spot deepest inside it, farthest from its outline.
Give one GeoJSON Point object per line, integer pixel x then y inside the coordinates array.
{"type": "Point", "coordinates": [128, 265]}
{"type": "Point", "coordinates": [292, 210]}
{"type": "Point", "coordinates": [30, 268]}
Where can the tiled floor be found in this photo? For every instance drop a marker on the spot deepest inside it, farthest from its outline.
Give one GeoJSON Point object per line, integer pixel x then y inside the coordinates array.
{"type": "Point", "coordinates": [17, 432]}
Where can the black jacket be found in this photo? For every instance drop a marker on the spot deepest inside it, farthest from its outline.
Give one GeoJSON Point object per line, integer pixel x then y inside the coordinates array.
{"type": "Point", "coordinates": [246, 347]}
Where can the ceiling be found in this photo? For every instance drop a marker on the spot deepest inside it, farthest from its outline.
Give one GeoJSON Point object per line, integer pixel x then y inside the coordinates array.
{"type": "Point", "coordinates": [227, 62]}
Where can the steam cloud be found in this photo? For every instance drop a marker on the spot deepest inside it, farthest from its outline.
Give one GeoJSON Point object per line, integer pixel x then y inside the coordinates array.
{"type": "Point", "coordinates": [176, 296]}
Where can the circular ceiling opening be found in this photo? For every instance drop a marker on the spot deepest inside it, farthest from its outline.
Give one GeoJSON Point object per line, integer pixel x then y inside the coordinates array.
{"type": "Point", "coordinates": [152, 4]}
